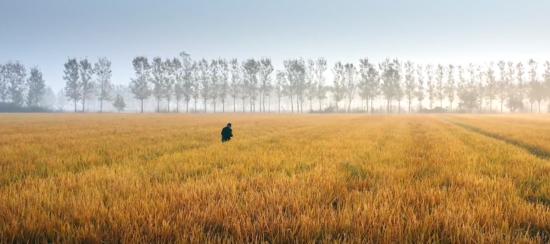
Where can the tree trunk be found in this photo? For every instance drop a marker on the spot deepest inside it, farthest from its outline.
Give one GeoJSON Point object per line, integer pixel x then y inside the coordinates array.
{"type": "Point", "coordinates": [251, 104]}
{"type": "Point", "coordinates": [214, 103]}
{"type": "Point", "coordinates": [158, 105]}
{"type": "Point", "coordinates": [75, 105]}
{"type": "Point", "coordinates": [223, 105]}
{"type": "Point", "coordinates": [141, 105]}
{"type": "Point", "coordinates": [262, 103]}
{"type": "Point", "coordinates": [187, 106]}
{"type": "Point", "coordinates": [291, 104]}
{"type": "Point", "coordinates": [101, 105]}
{"type": "Point", "coordinates": [279, 103]}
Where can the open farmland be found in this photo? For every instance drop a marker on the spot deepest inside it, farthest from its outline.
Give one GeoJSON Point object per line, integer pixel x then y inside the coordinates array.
{"type": "Point", "coordinates": [351, 178]}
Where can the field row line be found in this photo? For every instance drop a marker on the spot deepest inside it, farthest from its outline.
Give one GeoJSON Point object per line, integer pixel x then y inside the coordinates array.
{"type": "Point", "coordinates": [533, 150]}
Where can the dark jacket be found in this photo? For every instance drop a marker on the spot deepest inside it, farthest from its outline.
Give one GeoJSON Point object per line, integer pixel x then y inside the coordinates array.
{"type": "Point", "coordinates": [227, 133]}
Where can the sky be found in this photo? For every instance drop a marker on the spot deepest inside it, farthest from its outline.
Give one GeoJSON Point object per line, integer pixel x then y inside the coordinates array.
{"type": "Point", "coordinates": [45, 33]}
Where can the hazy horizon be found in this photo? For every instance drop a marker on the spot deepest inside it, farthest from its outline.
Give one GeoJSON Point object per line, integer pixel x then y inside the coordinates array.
{"type": "Point", "coordinates": [46, 33]}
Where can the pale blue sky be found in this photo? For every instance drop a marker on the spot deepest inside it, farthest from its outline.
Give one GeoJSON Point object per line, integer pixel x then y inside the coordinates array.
{"type": "Point", "coordinates": [45, 32]}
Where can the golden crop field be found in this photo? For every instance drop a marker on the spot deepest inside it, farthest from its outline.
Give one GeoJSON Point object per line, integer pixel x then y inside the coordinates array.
{"type": "Point", "coordinates": [283, 178]}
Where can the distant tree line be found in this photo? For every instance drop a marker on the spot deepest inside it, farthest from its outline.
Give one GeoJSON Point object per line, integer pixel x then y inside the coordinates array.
{"type": "Point", "coordinates": [181, 84]}
{"type": "Point", "coordinates": [419, 88]}
{"type": "Point", "coordinates": [84, 80]}
{"type": "Point", "coordinates": [21, 87]}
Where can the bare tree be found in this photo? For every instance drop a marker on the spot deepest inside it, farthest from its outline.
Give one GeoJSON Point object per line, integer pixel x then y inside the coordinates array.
{"type": "Point", "coordinates": [214, 77]}
{"type": "Point", "coordinates": [224, 81]}
{"type": "Point", "coordinates": [410, 83]}
{"type": "Point", "coordinates": [514, 100]}
{"type": "Point", "coordinates": [37, 87]}
{"type": "Point", "coordinates": [171, 67]}
{"type": "Point", "coordinates": [186, 82]}
{"type": "Point", "coordinates": [281, 83]}
{"type": "Point", "coordinates": [158, 77]}
{"type": "Point", "coordinates": [419, 94]}
{"type": "Point", "coordinates": [467, 91]}
{"type": "Point", "coordinates": [536, 93]}
{"type": "Point", "coordinates": [391, 77]}
{"type": "Point", "coordinates": [430, 84]}
{"type": "Point", "coordinates": [439, 74]}
{"type": "Point", "coordinates": [310, 92]}
{"type": "Point", "coordinates": [350, 85]}
{"type": "Point", "coordinates": [235, 88]}
{"type": "Point", "coordinates": [520, 86]}
{"type": "Point", "coordinates": [140, 84]}
{"type": "Point", "coordinates": [71, 77]}
{"type": "Point", "coordinates": [450, 88]}
{"type": "Point", "coordinates": [503, 84]}
{"type": "Point", "coordinates": [3, 83]}
{"type": "Point", "coordinates": [296, 75]}
{"type": "Point", "coordinates": [491, 87]}
{"type": "Point", "coordinates": [103, 72]}
{"type": "Point", "coordinates": [369, 82]}
{"type": "Point", "coordinates": [196, 84]}
{"type": "Point", "coordinates": [251, 68]}
{"type": "Point", "coordinates": [87, 85]}
{"type": "Point", "coordinates": [398, 86]}
{"type": "Point", "coordinates": [320, 88]}
{"type": "Point", "coordinates": [179, 81]}
{"type": "Point", "coordinates": [266, 68]}
{"type": "Point", "coordinates": [15, 75]}
{"type": "Point", "coordinates": [338, 88]}
{"type": "Point", "coordinates": [204, 81]}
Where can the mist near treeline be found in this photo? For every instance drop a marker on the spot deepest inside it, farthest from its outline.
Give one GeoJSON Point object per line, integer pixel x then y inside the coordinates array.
{"type": "Point", "coordinates": [184, 84]}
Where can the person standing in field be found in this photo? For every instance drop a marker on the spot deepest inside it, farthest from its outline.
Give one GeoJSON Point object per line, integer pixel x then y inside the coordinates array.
{"type": "Point", "coordinates": [227, 133]}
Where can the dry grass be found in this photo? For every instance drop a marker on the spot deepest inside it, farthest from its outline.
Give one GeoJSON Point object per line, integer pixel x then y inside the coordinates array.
{"type": "Point", "coordinates": [351, 178]}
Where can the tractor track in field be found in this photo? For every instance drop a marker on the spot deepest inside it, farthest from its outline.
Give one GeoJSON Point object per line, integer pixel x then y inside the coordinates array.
{"type": "Point", "coordinates": [533, 150]}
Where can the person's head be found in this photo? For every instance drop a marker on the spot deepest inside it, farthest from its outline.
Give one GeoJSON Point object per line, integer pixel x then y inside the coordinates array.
{"type": "Point", "coordinates": [228, 124]}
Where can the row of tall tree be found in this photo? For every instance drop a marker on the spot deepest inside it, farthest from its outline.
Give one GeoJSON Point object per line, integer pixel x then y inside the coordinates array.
{"type": "Point", "coordinates": [19, 86]}
{"type": "Point", "coordinates": [254, 83]}
{"type": "Point", "coordinates": [84, 80]}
